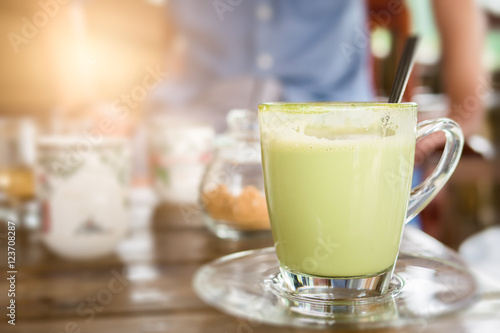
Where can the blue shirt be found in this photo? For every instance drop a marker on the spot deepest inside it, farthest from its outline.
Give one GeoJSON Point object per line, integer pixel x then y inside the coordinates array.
{"type": "Point", "coordinates": [318, 50]}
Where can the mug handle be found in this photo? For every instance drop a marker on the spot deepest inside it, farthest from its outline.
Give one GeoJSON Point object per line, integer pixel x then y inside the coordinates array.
{"type": "Point", "coordinates": [423, 193]}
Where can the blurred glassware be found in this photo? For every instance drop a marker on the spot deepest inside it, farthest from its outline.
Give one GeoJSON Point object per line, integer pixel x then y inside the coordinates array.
{"type": "Point", "coordinates": [83, 183]}
{"type": "Point", "coordinates": [179, 154]}
{"type": "Point", "coordinates": [482, 252]}
{"type": "Point", "coordinates": [232, 191]}
{"type": "Point", "coordinates": [17, 156]}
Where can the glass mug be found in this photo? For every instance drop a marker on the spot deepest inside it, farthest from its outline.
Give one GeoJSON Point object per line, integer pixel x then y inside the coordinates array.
{"type": "Point", "coordinates": [338, 187]}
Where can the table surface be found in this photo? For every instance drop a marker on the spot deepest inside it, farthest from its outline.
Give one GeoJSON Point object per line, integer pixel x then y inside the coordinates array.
{"type": "Point", "coordinates": [150, 275]}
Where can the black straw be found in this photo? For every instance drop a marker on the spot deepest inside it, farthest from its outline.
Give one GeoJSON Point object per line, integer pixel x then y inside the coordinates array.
{"type": "Point", "coordinates": [404, 70]}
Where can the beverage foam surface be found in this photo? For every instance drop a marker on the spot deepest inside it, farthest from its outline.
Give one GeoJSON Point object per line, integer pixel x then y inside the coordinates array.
{"type": "Point", "coordinates": [291, 140]}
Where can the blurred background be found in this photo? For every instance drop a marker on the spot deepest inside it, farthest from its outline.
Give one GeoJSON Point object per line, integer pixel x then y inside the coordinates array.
{"type": "Point", "coordinates": [93, 90]}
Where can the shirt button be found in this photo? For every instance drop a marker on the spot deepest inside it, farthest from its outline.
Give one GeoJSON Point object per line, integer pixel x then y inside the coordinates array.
{"type": "Point", "coordinates": [264, 12]}
{"type": "Point", "coordinates": [265, 61]}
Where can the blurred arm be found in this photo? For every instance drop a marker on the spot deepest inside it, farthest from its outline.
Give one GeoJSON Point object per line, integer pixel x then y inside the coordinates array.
{"type": "Point", "coordinates": [462, 29]}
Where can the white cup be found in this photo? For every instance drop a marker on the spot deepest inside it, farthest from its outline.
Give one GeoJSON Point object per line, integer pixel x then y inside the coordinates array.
{"type": "Point", "coordinates": [83, 188]}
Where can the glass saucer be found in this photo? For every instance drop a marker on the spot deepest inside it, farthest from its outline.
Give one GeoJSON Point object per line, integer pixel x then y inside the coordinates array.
{"type": "Point", "coordinates": [430, 280]}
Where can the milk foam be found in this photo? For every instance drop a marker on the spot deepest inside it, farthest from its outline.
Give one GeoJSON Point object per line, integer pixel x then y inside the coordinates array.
{"type": "Point", "coordinates": [287, 139]}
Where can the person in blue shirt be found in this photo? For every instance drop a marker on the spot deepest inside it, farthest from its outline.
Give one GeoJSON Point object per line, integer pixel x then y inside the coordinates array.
{"type": "Point", "coordinates": [255, 51]}
{"type": "Point", "coordinates": [237, 53]}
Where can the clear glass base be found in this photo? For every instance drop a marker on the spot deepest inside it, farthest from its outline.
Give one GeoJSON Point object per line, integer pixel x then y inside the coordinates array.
{"type": "Point", "coordinates": [318, 296]}
{"type": "Point", "coordinates": [429, 280]}
{"type": "Point", "coordinates": [340, 289]}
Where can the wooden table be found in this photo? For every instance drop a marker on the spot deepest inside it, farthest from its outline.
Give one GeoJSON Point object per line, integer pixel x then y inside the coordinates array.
{"type": "Point", "coordinates": [146, 285]}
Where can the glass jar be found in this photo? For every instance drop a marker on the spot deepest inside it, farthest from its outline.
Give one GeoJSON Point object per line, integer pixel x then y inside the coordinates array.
{"type": "Point", "coordinates": [232, 190]}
